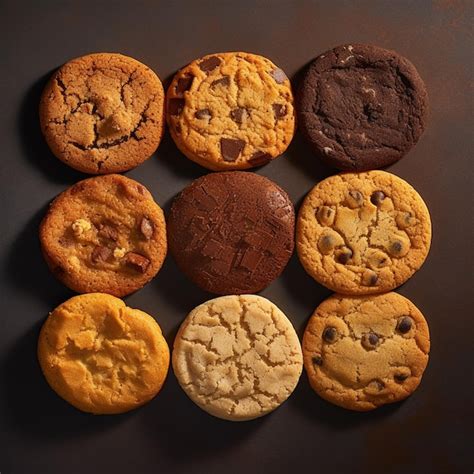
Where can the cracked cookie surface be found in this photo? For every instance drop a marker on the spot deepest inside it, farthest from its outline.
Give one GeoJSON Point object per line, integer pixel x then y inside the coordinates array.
{"type": "Point", "coordinates": [102, 356]}
{"type": "Point", "coordinates": [104, 234]}
{"type": "Point", "coordinates": [361, 107]}
{"type": "Point", "coordinates": [229, 111]}
{"type": "Point", "coordinates": [363, 233]}
{"type": "Point", "coordinates": [103, 113]}
{"type": "Point", "coordinates": [232, 232]}
{"type": "Point", "coordinates": [367, 351]}
{"type": "Point", "coordinates": [237, 357]}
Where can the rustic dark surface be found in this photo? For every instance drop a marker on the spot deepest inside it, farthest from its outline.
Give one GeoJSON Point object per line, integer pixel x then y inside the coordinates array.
{"type": "Point", "coordinates": [430, 432]}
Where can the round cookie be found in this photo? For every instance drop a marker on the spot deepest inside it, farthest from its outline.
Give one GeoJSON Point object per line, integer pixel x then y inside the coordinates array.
{"type": "Point", "coordinates": [363, 233]}
{"type": "Point", "coordinates": [237, 357]}
{"type": "Point", "coordinates": [231, 111]}
{"type": "Point", "coordinates": [104, 234]}
{"type": "Point", "coordinates": [103, 113]}
{"type": "Point", "coordinates": [361, 107]}
{"type": "Point", "coordinates": [102, 356]}
{"type": "Point", "coordinates": [366, 351]}
{"type": "Point", "coordinates": [232, 232]}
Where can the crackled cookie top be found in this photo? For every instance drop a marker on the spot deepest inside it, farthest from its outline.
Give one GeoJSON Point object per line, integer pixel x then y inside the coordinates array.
{"type": "Point", "coordinates": [103, 113]}
{"type": "Point", "coordinates": [102, 356]}
{"type": "Point", "coordinates": [232, 232]}
{"type": "Point", "coordinates": [363, 352]}
{"type": "Point", "coordinates": [104, 234]}
{"type": "Point", "coordinates": [361, 107]}
{"type": "Point", "coordinates": [230, 111]}
{"type": "Point", "coordinates": [361, 233]}
{"type": "Point", "coordinates": [237, 357]}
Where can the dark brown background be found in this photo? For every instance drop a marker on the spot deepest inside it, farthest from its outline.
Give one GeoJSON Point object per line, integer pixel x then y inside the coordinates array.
{"type": "Point", "coordinates": [430, 432]}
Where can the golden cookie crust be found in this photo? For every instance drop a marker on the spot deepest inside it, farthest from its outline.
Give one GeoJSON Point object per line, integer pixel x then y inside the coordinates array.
{"type": "Point", "coordinates": [237, 357]}
{"type": "Point", "coordinates": [102, 356]}
{"type": "Point", "coordinates": [104, 234]}
{"type": "Point", "coordinates": [363, 233]}
{"type": "Point", "coordinates": [231, 111]}
{"type": "Point", "coordinates": [103, 113]}
{"type": "Point", "coordinates": [362, 352]}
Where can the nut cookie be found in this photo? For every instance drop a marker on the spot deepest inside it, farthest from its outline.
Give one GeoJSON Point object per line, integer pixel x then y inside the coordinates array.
{"type": "Point", "coordinates": [366, 351]}
{"type": "Point", "coordinates": [104, 234]}
{"type": "Point", "coordinates": [361, 107]}
{"type": "Point", "coordinates": [230, 111]}
{"type": "Point", "coordinates": [237, 357]}
{"type": "Point", "coordinates": [363, 233]}
{"type": "Point", "coordinates": [102, 356]}
{"type": "Point", "coordinates": [103, 113]}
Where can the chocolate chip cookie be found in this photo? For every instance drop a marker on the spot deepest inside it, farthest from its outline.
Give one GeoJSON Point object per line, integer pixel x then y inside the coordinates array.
{"type": "Point", "coordinates": [104, 234]}
{"type": "Point", "coordinates": [362, 233]}
{"type": "Point", "coordinates": [367, 351]}
{"type": "Point", "coordinates": [103, 113]}
{"type": "Point", "coordinates": [237, 357]}
{"type": "Point", "coordinates": [102, 356]}
{"type": "Point", "coordinates": [231, 111]}
{"type": "Point", "coordinates": [232, 232]}
{"type": "Point", "coordinates": [361, 107]}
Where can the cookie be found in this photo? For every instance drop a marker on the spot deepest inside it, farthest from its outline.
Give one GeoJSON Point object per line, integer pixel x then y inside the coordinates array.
{"type": "Point", "coordinates": [231, 111]}
{"type": "Point", "coordinates": [103, 113]}
{"type": "Point", "coordinates": [232, 232]}
{"type": "Point", "coordinates": [363, 233]}
{"type": "Point", "coordinates": [104, 234]}
{"type": "Point", "coordinates": [361, 107]}
{"type": "Point", "coordinates": [102, 356]}
{"type": "Point", "coordinates": [237, 357]}
{"type": "Point", "coordinates": [362, 352]}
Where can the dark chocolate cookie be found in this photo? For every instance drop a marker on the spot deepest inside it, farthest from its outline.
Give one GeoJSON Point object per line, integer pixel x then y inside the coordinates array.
{"type": "Point", "coordinates": [232, 232]}
{"type": "Point", "coordinates": [361, 107]}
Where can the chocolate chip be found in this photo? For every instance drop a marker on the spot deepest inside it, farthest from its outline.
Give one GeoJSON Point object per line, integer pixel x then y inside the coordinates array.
{"type": "Point", "coordinates": [355, 199]}
{"type": "Point", "coordinates": [209, 64]}
{"type": "Point", "coordinates": [279, 110]}
{"type": "Point", "coordinates": [325, 215]}
{"type": "Point", "coordinates": [184, 84]}
{"type": "Point", "coordinates": [372, 112]}
{"type": "Point", "coordinates": [146, 228]}
{"type": "Point", "coordinates": [344, 256]}
{"type": "Point", "coordinates": [317, 360]}
{"type": "Point", "coordinates": [279, 76]}
{"type": "Point", "coordinates": [370, 341]}
{"type": "Point", "coordinates": [108, 232]}
{"type": "Point", "coordinates": [400, 377]}
{"type": "Point", "coordinates": [100, 254]}
{"type": "Point", "coordinates": [231, 148]}
{"type": "Point", "coordinates": [369, 278]}
{"type": "Point", "coordinates": [326, 243]}
{"type": "Point", "coordinates": [237, 115]}
{"type": "Point", "coordinates": [203, 114]}
{"type": "Point", "coordinates": [377, 197]}
{"type": "Point", "coordinates": [175, 106]}
{"type": "Point", "coordinates": [378, 384]}
{"type": "Point", "coordinates": [137, 262]}
{"type": "Point", "coordinates": [223, 81]}
{"type": "Point", "coordinates": [404, 325]}
{"type": "Point", "coordinates": [330, 334]}
{"type": "Point", "coordinates": [259, 158]}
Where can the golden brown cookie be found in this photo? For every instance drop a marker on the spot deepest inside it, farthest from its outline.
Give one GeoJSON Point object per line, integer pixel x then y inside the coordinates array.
{"type": "Point", "coordinates": [229, 111]}
{"type": "Point", "coordinates": [104, 234]}
{"type": "Point", "coordinates": [103, 113]}
{"type": "Point", "coordinates": [362, 352]}
{"type": "Point", "coordinates": [237, 357]}
{"type": "Point", "coordinates": [363, 233]}
{"type": "Point", "coordinates": [102, 356]}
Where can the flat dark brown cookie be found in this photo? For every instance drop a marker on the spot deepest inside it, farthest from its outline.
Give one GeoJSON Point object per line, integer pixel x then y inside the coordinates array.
{"type": "Point", "coordinates": [361, 107]}
{"type": "Point", "coordinates": [232, 232]}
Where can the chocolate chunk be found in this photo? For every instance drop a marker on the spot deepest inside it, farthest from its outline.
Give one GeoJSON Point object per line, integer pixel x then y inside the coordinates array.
{"type": "Point", "coordinates": [100, 254]}
{"type": "Point", "coordinates": [147, 228]}
{"type": "Point", "coordinates": [400, 377]}
{"type": "Point", "coordinates": [279, 76]}
{"type": "Point", "coordinates": [370, 341]}
{"type": "Point", "coordinates": [231, 148]}
{"type": "Point", "coordinates": [223, 81]}
{"type": "Point", "coordinates": [108, 232]}
{"type": "Point", "coordinates": [259, 158]}
{"type": "Point", "coordinates": [355, 199]}
{"type": "Point", "coordinates": [279, 110]}
{"type": "Point", "coordinates": [137, 262]}
{"type": "Point", "coordinates": [184, 84]}
{"type": "Point", "coordinates": [404, 325]}
{"type": "Point", "coordinates": [209, 64]}
{"type": "Point", "coordinates": [317, 360]}
{"type": "Point", "coordinates": [344, 256]}
{"type": "Point", "coordinates": [203, 114]}
{"type": "Point", "coordinates": [325, 215]}
{"type": "Point", "coordinates": [237, 115]}
{"type": "Point", "coordinates": [330, 334]}
{"type": "Point", "coordinates": [175, 106]}
{"type": "Point", "coordinates": [377, 197]}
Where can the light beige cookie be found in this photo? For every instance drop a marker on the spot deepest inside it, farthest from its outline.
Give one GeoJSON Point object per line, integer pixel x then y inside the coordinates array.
{"type": "Point", "coordinates": [363, 233]}
{"type": "Point", "coordinates": [102, 356]}
{"type": "Point", "coordinates": [229, 111]}
{"type": "Point", "coordinates": [366, 351]}
{"type": "Point", "coordinates": [237, 357]}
